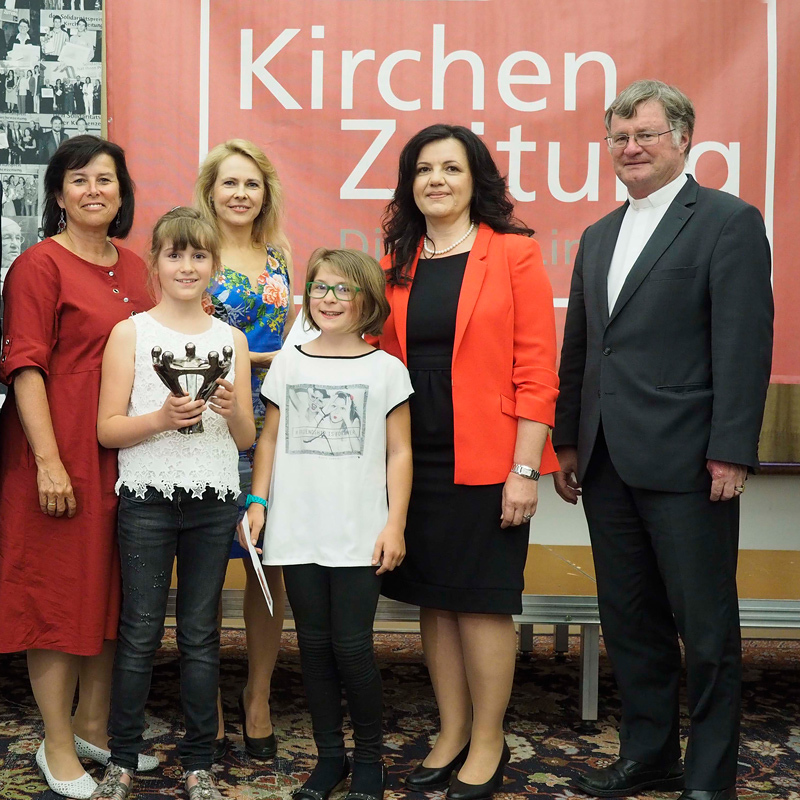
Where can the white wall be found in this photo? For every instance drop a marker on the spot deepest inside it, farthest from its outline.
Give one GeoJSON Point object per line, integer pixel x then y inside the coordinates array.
{"type": "Point", "coordinates": [770, 515]}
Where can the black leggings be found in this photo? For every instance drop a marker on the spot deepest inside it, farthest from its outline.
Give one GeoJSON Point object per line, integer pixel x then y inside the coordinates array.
{"type": "Point", "coordinates": [334, 609]}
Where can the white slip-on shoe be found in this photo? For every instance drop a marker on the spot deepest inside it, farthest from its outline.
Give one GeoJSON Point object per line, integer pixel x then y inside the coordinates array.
{"type": "Point", "coordinates": [86, 749]}
{"type": "Point", "coordinates": [79, 789]}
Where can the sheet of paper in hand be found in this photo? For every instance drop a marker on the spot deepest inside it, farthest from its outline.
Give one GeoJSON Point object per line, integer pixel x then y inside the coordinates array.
{"type": "Point", "coordinates": [255, 558]}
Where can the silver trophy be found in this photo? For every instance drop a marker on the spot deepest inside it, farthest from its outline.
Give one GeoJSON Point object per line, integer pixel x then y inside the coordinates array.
{"type": "Point", "coordinates": [191, 375]}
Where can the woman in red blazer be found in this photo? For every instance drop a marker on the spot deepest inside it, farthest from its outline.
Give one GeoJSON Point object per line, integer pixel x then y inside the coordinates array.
{"type": "Point", "coordinates": [472, 318]}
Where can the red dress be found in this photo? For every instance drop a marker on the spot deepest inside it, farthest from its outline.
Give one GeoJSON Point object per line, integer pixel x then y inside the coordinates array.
{"type": "Point", "coordinates": [59, 578]}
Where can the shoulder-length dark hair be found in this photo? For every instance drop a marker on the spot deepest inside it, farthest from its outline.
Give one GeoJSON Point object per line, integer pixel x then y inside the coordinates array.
{"type": "Point", "coordinates": [76, 153]}
{"type": "Point", "coordinates": [404, 223]}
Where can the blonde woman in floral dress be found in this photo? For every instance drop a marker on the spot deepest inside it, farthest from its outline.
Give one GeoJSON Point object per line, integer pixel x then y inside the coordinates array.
{"type": "Point", "coordinates": [238, 189]}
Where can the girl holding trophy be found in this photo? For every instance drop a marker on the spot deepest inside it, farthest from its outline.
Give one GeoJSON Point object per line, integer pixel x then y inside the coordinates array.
{"type": "Point", "coordinates": [177, 495]}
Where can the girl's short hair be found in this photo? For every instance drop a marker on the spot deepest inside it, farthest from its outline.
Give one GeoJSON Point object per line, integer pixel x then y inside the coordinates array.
{"type": "Point", "coordinates": [267, 225]}
{"type": "Point", "coordinates": [362, 270]}
{"type": "Point", "coordinates": [184, 227]}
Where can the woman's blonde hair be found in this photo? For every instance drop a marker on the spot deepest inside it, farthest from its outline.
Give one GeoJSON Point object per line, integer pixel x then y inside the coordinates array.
{"type": "Point", "coordinates": [267, 226]}
{"type": "Point", "coordinates": [362, 270]}
{"type": "Point", "coordinates": [181, 228]}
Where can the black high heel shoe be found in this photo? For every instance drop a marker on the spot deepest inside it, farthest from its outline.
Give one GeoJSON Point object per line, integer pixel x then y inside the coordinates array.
{"type": "Point", "coordinates": [428, 779]}
{"type": "Point", "coordinates": [469, 791]}
{"type": "Point", "coordinates": [256, 748]}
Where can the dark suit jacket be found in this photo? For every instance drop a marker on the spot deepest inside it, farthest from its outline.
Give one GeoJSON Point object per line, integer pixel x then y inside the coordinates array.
{"type": "Point", "coordinates": [679, 372]}
{"type": "Point", "coordinates": [48, 145]}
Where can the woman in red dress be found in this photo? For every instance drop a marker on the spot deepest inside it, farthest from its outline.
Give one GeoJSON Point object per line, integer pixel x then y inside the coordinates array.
{"type": "Point", "coordinates": [59, 565]}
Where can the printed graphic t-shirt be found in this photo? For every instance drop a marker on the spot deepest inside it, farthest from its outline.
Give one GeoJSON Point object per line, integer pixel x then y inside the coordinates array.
{"type": "Point", "coordinates": [327, 501]}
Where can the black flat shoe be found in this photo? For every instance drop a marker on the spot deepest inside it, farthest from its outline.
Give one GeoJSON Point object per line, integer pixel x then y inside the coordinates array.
{"type": "Point", "coordinates": [364, 796]}
{"type": "Point", "coordinates": [702, 794]}
{"type": "Point", "coordinates": [429, 779]}
{"type": "Point", "coordinates": [625, 777]}
{"type": "Point", "coordinates": [256, 748]}
{"type": "Point", "coordinates": [322, 794]}
{"type": "Point", "coordinates": [469, 791]}
{"type": "Point", "coordinates": [220, 749]}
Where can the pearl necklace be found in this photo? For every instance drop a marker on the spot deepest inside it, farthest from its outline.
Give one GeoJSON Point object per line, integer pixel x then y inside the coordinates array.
{"type": "Point", "coordinates": [444, 250]}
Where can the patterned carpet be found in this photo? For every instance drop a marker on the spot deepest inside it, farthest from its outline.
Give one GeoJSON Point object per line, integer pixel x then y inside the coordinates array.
{"type": "Point", "coordinates": [549, 744]}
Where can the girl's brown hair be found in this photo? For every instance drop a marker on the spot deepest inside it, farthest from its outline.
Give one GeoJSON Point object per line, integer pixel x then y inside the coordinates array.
{"type": "Point", "coordinates": [362, 270]}
{"type": "Point", "coordinates": [181, 228]}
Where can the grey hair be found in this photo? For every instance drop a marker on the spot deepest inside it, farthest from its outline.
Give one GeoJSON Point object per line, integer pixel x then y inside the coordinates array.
{"type": "Point", "coordinates": [678, 108]}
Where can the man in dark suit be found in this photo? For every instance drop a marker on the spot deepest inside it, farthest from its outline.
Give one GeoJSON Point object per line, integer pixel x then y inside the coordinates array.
{"type": "Point", "coordinates": [664, 372]}
{"type": "Point", "coordinates": [50, 140]}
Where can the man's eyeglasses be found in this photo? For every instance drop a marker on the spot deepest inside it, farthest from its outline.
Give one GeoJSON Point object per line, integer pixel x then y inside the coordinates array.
{"type": "Point", "coordinates": [642, 138]}
{"type": "Point", "coordinates": [341, 291]}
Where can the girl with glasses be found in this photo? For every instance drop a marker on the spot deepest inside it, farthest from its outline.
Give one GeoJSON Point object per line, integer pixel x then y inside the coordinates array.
{"type": "Point", "coordinates": [335, 453]}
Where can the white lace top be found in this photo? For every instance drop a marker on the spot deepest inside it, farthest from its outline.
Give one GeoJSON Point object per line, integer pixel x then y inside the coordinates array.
{"type": "Point", "coordinates": [170, 459]}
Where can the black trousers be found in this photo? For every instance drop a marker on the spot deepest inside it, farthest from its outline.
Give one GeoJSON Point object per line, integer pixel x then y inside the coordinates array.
{"type": "Point", "coordinates": [666, 567]}
{"type": "Point", "coordinates": [334, 610]}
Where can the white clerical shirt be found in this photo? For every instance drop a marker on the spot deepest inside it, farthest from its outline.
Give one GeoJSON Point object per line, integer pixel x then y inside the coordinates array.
{"type": "Point", "coordinates": [641, 219]}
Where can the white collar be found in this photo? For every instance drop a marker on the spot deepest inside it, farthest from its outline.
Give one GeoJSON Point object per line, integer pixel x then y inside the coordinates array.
{"type": "Point", "coordinates": [660, 197]}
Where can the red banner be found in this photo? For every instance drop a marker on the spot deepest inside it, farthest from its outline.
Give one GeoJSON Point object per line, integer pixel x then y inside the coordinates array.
{"type": "Point", "coordinates": [332, 90]}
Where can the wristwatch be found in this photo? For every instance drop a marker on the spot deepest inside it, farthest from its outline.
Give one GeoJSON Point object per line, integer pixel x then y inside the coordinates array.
{"type": "Point", "coordinates": [526, 472]}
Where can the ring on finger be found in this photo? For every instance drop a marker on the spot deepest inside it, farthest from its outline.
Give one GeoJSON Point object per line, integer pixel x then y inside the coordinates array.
{"type": "Point", "coordinates": [526, 517]}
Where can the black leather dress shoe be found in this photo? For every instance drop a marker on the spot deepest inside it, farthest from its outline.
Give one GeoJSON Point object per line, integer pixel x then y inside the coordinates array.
{"type": "Point", "coordinates": [702, 794]}
{"type": "Point", "coordinates": [428, 779]}
{"type": "Point", "coordinates": [625, 777]}
{"type": "Point", "coordinates": [483, 791]}
{"type": "Point", "coordinates": [261, 749]}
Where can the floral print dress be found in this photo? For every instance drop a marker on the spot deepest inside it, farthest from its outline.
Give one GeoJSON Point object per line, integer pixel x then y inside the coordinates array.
{"type": "Point", "coordinates": [259, 313]}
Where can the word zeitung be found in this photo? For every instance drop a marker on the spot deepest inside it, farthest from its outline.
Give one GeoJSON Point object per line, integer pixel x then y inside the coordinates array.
{"type": "Point", "coordinates": [511, 73]}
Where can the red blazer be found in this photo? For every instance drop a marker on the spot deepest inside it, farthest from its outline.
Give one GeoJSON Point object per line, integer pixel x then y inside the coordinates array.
{"type": "Point", "coordinates": [504, 355]}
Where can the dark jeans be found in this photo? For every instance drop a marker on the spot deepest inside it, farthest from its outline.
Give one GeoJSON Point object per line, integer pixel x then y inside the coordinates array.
{"type": "Point", "coordinates": [153, 531]}
{"type": "Point", "coordinates": [334, 609]}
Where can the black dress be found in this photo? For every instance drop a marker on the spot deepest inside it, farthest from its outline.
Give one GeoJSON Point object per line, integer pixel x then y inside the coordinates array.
{"type": "Point", "coordinates": [457, 556]}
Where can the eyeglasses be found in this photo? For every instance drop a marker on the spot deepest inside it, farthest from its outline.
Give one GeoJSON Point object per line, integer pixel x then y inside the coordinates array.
{"type": "Point", "coordinates": [341, 291]}
{"type": "Point", "coordinates": [642, 138]}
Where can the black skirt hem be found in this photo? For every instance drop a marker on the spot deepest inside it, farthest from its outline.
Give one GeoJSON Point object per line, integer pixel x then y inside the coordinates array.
{"type": "Point", "coordinates": [448, 598]}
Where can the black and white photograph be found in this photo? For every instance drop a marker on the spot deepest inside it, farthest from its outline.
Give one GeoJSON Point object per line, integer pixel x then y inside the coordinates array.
{"type": "Point", "coordinates": [20, 139]}
{"type": "Point", "coordinates": [70, 37]}
{"type": "Point", "coordinates": [18, 233]}
{"type": "Point", "coordinates": [72, 5]}
{"type": "Point", "coordinates": [18, 83]}
{"type": "Point", "coordinates": [21, 191]}
{"type": "Point", "coordinates": [19, 39]}
{"type": "Point", "coordinates": [70, 90]}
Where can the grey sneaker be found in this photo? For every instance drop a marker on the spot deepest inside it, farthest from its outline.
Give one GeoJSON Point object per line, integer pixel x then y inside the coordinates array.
{"type": "Point", "coordinates": [112, 787]}
{"type": "Point", "coordinates": [204, 789]}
